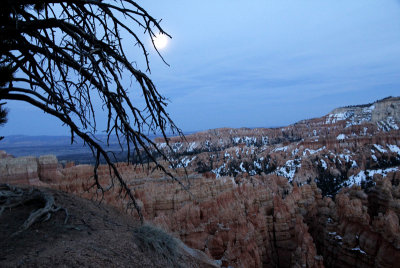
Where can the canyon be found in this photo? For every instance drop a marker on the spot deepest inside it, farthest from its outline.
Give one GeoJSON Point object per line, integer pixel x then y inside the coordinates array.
{"type": "Point", "coordinates": [322, 192]}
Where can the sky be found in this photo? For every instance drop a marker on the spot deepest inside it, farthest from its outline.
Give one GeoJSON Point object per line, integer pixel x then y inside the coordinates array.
{"type": "Point", "coordinates": [261, 63]}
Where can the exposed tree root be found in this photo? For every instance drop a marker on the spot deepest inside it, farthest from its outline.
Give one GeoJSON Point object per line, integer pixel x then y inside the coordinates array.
{"type": "Point", "coordinates": [11, 197]}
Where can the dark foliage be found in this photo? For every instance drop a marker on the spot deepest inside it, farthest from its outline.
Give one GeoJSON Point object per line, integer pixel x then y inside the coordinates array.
{"type": "Point", "coordinates": [3, 116]}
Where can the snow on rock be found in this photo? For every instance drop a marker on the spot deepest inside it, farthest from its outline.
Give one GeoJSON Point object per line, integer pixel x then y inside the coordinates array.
{"type": "Point", "coordinates": [338, 237]}
{"type": "Point", "coordinates": [363, 175]}
{"type": "Point", "coordinates": [227, 155]}
{"type": "Point", "coordinates": [161, 145]}
{"type": "Point", "coordinates": [186, 161]}
{"type": "Point", "coordinates": [219, 170]}
{"type": "Point", "coordinates": [177, 146]}
{"type": "Point", "coordinates": [252, 172]}
{"type": "Point", "coordinates": [369, 109]}
{"type": "Point", "coordinates": [289, 169]}
{"type": "Point", "coordinates": [356, 179]}
{"type": "Point", "coordinates": [257, 165]}
{"type": "Point", "coordinates": [388, 124]}
{"type": "Point", "coordinates": [341, 137]}
{"type": "Point", "coordinates": [242, 167]}
{"type": "Point", "coordinates": [346, 157]}
{"type": "Point", "coordinates": [250, 140]}
{"type": "Point", "coordinates": [323, 164]}
{"type": "Point", "coordinates": [312, 151]}
{"type": "Point", "coordinates": [284, 149]}
{"type": "Point", "coordinates": [191, 146]}
{"type": "Point", "coordinates": [380, 148]}
{"type": "Point", "coordinates": [236, 140]}
{"type": "Point", "coordinates": [359, 250]}
{"type": "Point", "coordinates": [394, 148]}
{"type": "Point", "coordinates": [333, 118]}
{"type": "Point", "coordinates": [383, 172]}
{"type": "Point", "coordinates": [354, 164]}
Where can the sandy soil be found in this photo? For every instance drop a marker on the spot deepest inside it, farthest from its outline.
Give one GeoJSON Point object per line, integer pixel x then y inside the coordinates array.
{"type": "Point", "coordinates": [95, 236]}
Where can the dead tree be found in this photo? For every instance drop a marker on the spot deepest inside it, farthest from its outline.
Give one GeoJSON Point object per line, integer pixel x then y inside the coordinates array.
{"type": "Point", "coordinates": [59, 55]}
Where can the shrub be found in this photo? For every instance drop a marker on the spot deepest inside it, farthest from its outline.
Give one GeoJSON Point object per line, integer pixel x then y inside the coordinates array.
{"type": "Point", "coordinates": [151, 239]}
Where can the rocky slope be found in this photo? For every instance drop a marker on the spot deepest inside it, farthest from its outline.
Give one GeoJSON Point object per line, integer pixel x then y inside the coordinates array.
{"type": "Point", "coordinates": [322, 192]}
{"type": "Point", "coordinates": [347, 146]}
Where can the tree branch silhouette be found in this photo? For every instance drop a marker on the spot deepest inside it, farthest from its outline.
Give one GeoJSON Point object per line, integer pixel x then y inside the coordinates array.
{"type": "Point", "coordinates": [58, 55]}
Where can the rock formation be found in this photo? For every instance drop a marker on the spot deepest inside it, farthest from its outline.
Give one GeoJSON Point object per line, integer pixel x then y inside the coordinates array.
{"type": "Point", "coordinates": [322, 192]}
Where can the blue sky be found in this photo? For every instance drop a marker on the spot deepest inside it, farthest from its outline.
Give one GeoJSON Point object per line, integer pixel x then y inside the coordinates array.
{"type": "Point", "coordinates": [262, 63]}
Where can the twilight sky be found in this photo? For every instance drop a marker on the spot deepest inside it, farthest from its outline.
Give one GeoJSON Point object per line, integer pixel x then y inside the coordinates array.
{"type": "Point", "coordinates": [262, 63]}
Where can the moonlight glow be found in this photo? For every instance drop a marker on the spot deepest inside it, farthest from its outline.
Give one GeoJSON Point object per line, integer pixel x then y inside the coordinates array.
{"type": "Point", "coordinates": [160, 41]}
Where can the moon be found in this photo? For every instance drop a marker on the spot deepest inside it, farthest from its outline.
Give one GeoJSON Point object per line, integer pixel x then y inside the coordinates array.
{"type": "Point", "coordinates": [160, 41]}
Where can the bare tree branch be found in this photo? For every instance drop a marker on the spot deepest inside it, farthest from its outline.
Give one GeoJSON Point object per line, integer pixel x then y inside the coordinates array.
{"type": "Point", "coordinates": [58, 55]}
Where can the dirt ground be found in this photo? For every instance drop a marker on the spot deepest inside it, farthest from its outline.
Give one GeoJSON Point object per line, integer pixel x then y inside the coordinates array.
{"type": "Point", "coordinates": [95, 235]}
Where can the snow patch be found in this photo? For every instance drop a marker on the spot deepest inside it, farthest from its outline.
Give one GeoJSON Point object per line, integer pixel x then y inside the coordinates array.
{"type": "Point", "coordinates": [250, 140]}
{"type": "Point", "coordinates": [346, 157]}
{"type": "Point", "coordinates": [289, 169]}
{"type": "Point", "coordinates": [161, 145]}
{"type": "Point", "coordinates": [356, 179]}
{"type": "Point", "coordinates": [257, 165]}
{"type": "Point", "coordinates": [236, 140]}
{"type": "Point", "coordinates": [284, 149]}
{"type": "Point", "coordinates": [359, 250]}
{"type": "Point", "coordinates": [312, 151]}
{"type": "Point", "coordinates": [388, 124]}
{"type": "Point", "coordinates": [237, 152]}
{"type": "Point", "coordinates": [354, 164]}
{"type": "Point", "coordinates": [323, 163]}
{"type": "Point", "coordinates": [177, 146]}
{"type": "Point", "coordinates": [185, 161]}
{"type": "Point", "coordinates": [380, 148]}
{"type": "Point", "coordinates": [394, 148]}
{"type": "Point", "coordinates": [227, 155]}
{"type": "Point", "coordinates": [219, 170]}
{"type": "Point", "coordinates": [191, 147]}
{"type": "Point", "coordinates": [242, 167]}
{"type": "Point", "coordinates": [362, 175]}
{"type": "Point", "coordinates": [333, 118]}
{"type": "Point", "coordinates": [383, 172]}
{"type": "Point", "coordinates": [341, 137]}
